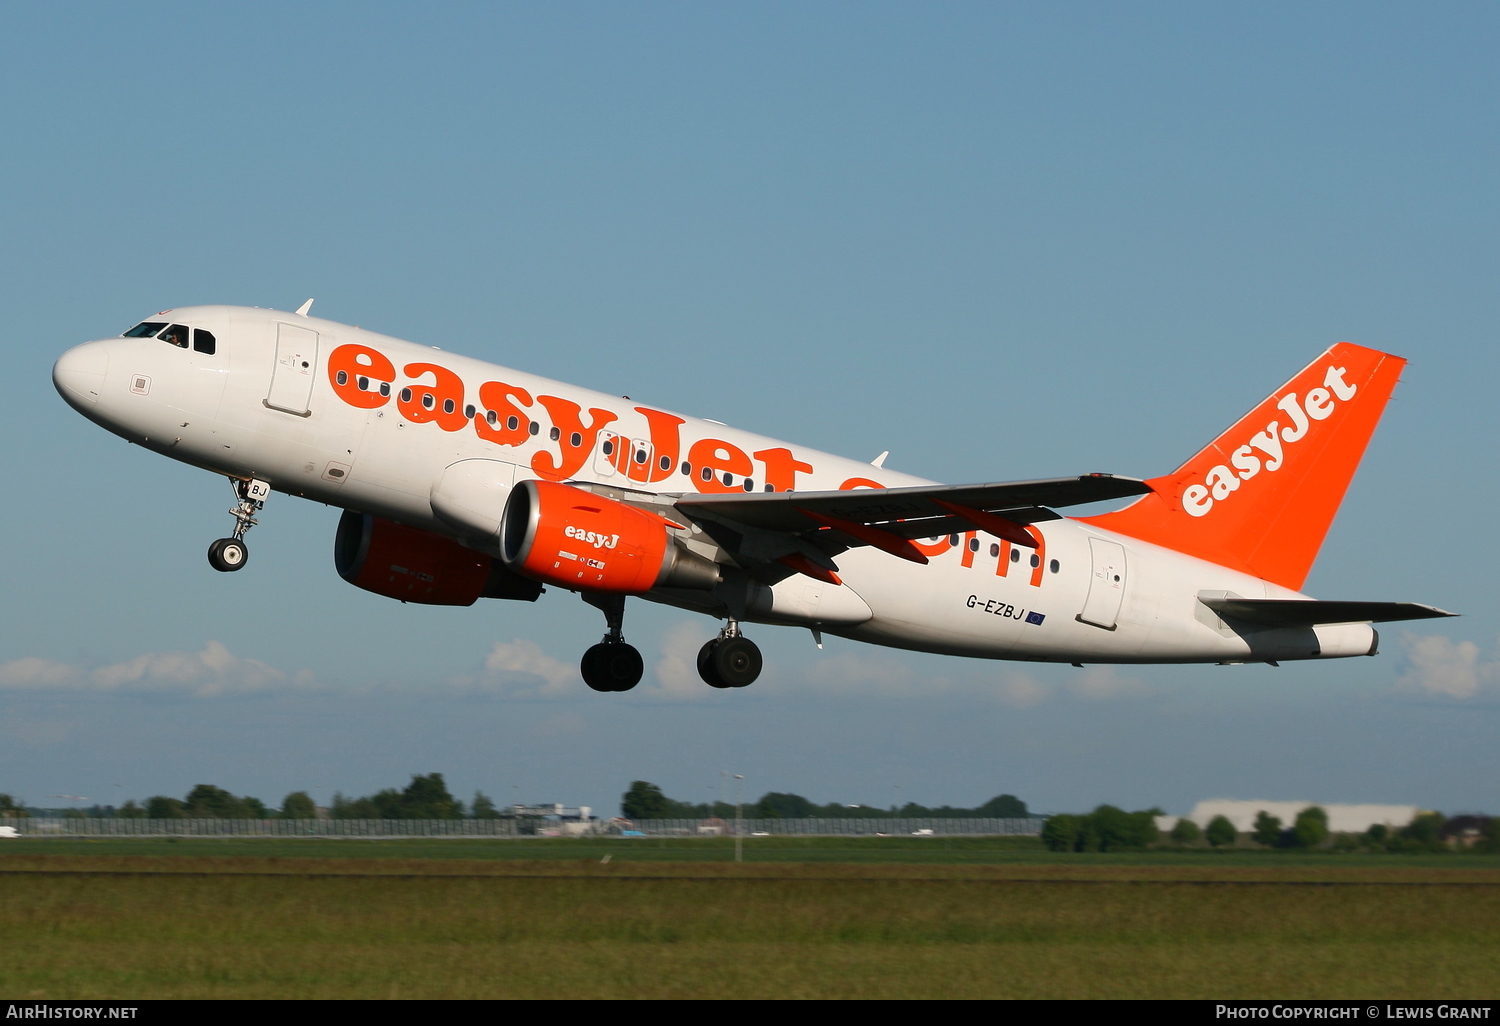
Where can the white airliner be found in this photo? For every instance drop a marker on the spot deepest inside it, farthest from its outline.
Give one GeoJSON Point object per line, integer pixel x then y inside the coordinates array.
{"type": "Point", "coordinates": [463, 480]}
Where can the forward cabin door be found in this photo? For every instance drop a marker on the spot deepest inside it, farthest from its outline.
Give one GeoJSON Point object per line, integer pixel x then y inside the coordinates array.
{"type": "Point", "coordinates": [296, 366]}
{"type": "Point", "coordinates": [1106, 585]}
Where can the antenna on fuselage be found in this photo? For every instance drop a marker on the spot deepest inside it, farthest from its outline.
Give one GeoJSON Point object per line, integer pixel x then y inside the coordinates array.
{"type": "Point", "coordinates": [302, 310]}
{"type": "Point", "coordinates": [878, 461]}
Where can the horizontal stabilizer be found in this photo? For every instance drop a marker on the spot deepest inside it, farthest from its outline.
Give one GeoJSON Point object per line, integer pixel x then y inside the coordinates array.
{"type": "Point", "coordinates": [1310, 613]}
{"type": "Point", "coordinates": [783, 511]}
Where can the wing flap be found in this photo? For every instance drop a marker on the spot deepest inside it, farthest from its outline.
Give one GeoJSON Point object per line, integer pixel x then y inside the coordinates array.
{"type": "Point", "coordinates": [914, 508]}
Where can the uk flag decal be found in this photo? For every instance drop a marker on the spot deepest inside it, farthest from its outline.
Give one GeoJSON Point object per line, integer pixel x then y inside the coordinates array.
{"type": "Point", "coordinates": [1036, 618]}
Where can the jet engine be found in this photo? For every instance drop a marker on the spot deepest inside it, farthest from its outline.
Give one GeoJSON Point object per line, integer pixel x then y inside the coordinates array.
{"type": "Point", "coordinates": [576, 539]}
{"type": "Point", "coordinates": [414, 565]}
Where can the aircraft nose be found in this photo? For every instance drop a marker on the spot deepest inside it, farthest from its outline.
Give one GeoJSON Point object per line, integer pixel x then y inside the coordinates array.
{"type": "Point", "coordinates": [78, 375]}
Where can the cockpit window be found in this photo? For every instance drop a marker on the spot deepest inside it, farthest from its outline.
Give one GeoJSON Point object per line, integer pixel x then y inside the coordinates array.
{"type": "Point", "coordinates": [145, 329]}
{"type": "Point", "coordinates": [177, 334]}
{"type": "Point", "coordinates": [204, 342]}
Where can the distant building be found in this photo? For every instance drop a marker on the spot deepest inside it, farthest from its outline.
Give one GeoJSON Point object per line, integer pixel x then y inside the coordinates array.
{"type": "Point", "coordinates": [1352, 819]}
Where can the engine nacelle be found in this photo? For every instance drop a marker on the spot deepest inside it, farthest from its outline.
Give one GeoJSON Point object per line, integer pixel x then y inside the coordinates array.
{"type": "Point", "coordinates": [576, 539]}
{"type": "Point", "coordinates": [414, 565]}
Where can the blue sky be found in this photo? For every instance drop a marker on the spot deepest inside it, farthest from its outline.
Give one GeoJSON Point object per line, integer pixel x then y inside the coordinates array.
{"type": "Point", "coordinates": [999, 240]}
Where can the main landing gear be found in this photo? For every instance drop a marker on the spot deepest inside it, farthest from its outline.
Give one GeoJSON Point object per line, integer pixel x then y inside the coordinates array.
{"type": "Point", "coordinates": [729, 661]}
{"type": "Point", "coordinates": [229, 554]}
{"type": "Point", "coordinates": [611, 665]}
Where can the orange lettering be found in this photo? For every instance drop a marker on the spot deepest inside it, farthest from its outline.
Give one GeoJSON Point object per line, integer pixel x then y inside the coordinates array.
{"type": "Point", "coordinates": [969, 547]}
{"type": "Point", "coordinates": [495, 397]}
{"type": "Point", "coordinates": [1039, 556]}
{"type": "Point", "coordinates": [936, 548]}
{"type": "Point", "coordinates": [1003, 570]}
{"type": "Point", "coordinates": [718, 458]}
{"type": "Point", "coordinates": [666, 444]}
{"type": "Point", "coordinates": [781, 468]}
{"type": "Point", "coordinates": [858, 482]}
{"type": "Point", "coordinates": [441, 403]}
{"type": "Point", "coordinates": [357, 372]}
{"type": "Point", "coordinates": [567, 419]}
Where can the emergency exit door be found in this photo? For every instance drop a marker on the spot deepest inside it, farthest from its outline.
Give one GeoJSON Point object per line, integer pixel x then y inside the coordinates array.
{"type": "Point", "coordinates": [1106, 585]}
{"type": "Point", "coordinates": [296, 366]}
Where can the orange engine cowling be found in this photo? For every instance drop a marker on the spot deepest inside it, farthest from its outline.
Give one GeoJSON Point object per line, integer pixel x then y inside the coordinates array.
{"type": "Point", "coordinates": [576, 539]}
{"type": "Point", "coordinates": [414, 565]}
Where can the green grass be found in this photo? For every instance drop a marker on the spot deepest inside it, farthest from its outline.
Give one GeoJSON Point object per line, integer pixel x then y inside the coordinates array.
{"type": "Point", "coordinates": [441, 918]}
{"type": "Point", "coordinates": [854, 850]}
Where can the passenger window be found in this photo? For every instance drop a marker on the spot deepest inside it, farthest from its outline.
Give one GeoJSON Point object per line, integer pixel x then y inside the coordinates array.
{"type": "Point", "coordinates": [385, 388]}
{"type": "Point", "coordinates": [575, 439]}
{"type": "Point", "coordinates": [708, 473]}
{"type": "Point", "coordinates": [687, 469]}
{"type": "Point", "coordinates": [973, 544]}
{"type": "Point", "coordinates": [953, 539]}
{"type": "Point", "coordinates": [666, 463]}
{"type": "Point", "coordinates": [342, 377]}
{"type": "Point", "coordinates": [608, 447]}
{"type": "Point", "coordinates": [749, 485]}
{"type": "Point", "coordinates": [1036, 560]}
{"type": "Point", "coordinates": [145, 329]}
{"type": "Point", "coordinates": [728, 479]}
{"type": "Point", "coordinates": [536, 428]}
{"type": "Point", "coordinates": [204, 342]}
{"type": "Point", "coordinates": [449, 406]}
{"type": "Point", "coordinates": [177, 334]}
{"type": "Point", "coordinates": [994, 549]}
{"type": "Point", "coordinates": [1055, 566]}
{"type": "Point", "coordinates": [491, 416]}
{"type": "Point", "coordinates": [1015, 555]}
{"type": "Point", "coordinates": [554, 434]}
{"type": "Point", "coordinates": [511, 422]}
{"type": "Point", "coordinates": [469, 412]}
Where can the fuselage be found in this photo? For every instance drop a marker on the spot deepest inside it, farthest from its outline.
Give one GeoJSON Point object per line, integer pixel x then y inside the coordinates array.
{"type": "Point", "coordinates": [359, 420]}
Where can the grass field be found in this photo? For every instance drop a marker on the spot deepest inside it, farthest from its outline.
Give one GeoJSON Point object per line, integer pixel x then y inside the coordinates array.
{"type": "Point", "coordinates": [889, 917]}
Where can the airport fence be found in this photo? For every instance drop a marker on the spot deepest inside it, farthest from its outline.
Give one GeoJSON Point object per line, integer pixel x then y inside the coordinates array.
{"type": "Point", "coordinates": [513, 827]}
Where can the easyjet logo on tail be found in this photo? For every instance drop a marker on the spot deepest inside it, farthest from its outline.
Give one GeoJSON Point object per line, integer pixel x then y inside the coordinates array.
{"type": "Point", "coordinates": [1266, 450]}
{"type": "Point", "coordinates": [1260, 497]}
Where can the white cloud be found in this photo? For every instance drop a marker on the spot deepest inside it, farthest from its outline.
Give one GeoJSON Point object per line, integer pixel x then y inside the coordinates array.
{"type": "Point", "coordinates": [1103, 681]}
{"type": "Point", "coordinates": [213, 671]}
{"type": "Point", "coordinates": [521, 669]}
{"type": "Point", "coordinates": [1437, 665]}
{"type": "Point", "coordinates": [677, 670]}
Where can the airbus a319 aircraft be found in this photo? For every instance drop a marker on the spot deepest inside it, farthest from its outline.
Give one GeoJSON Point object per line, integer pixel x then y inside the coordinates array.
{"type": "Point", "coordinates": [462, 480]}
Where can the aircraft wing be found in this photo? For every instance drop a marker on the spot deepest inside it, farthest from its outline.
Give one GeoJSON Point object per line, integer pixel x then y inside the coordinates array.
{"type": "Point", "coordinates": [779, 532]}
{"type": "Point", "coordinates": [1310, 613]}
{"type": "Point", "coordinates": [923, 511]}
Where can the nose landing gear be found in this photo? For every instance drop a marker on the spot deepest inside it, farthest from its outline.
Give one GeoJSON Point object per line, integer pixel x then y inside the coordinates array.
{"type": "Point", "coordinates": [229, 554]}
{"type": "Point", "coordinates": [611, 665]}
{"type": "Point", "coordinates": [729, 661]}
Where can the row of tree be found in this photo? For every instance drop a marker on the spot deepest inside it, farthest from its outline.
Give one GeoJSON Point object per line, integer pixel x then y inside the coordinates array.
{"type": "Point", "coordinates": [645, 800]}
{"type": "Point", "coordinates": [426, 797]}
{"type": "Point", "coordinates": [1108, 828]}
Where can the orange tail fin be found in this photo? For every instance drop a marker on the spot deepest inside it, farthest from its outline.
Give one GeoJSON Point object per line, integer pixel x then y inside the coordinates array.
{"type": "Point", "coordinates": [1260, 498]}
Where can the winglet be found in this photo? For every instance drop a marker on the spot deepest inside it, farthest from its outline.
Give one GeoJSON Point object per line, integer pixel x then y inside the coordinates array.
{"type": "Point", "coordinates": [302, 310]}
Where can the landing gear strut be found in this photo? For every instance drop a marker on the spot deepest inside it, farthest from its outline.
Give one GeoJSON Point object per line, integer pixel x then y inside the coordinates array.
{"type": "Point", "coordinates": [229, 554]}
{"type": "Point", "coordinates": [729, 661]}
{"type": "Point", "coordinates": [611, 665]}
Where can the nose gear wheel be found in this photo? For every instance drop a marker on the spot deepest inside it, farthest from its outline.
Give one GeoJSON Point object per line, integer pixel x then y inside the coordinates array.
{"type": "Point", "coordinates": [230, 554]}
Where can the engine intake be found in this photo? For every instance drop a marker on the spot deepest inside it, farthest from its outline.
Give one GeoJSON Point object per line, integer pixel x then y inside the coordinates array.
{"type": "Point", "coordinates": [576, 539]}
{"type": "Point", "coordinates": [414, 565]}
